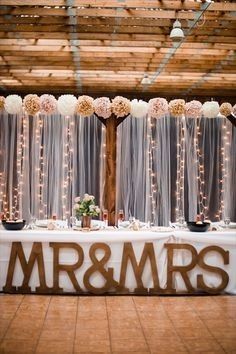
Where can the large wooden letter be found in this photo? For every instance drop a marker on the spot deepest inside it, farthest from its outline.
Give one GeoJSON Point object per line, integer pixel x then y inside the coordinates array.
{"type": "Point", "coordinates": [224, 276]}
{"type": "Point", "coordinates": [69, 269]}
{"type": "Point", "coordinates": [183, 270]}
{"type": "Point", "coordinates": [27, 268]}
{"type": "Point", "coordinates": [128, 254]}
{"type": "Point", "coordinates": [99, 266]}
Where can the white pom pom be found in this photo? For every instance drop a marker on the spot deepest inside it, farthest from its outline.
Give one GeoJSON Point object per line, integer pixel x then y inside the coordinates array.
{"type": "Point", "coordinates": [139, 108]}
{"type": "Point", "coordinates": [66, 105]}
{"type": "Point", "coordinates": [13, 104]}
{"type": "Point", "coordinates": [210, 109]}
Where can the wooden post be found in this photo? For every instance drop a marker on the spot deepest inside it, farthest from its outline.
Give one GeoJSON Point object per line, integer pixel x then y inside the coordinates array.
{"type": "Point", "coordinates": [110, 166]}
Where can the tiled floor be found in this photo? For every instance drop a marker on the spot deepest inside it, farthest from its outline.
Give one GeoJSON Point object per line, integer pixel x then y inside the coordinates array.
{"type": "Point", "coordinates": [60, 324]}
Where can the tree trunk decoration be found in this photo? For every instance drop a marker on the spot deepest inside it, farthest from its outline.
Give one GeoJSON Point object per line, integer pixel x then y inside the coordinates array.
{"type": "Point", "coordinates": [111, 125]}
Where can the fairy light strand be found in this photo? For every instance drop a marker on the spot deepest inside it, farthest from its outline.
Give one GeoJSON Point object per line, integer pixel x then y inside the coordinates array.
{"type": "Point", "coordinates": [180, 169]}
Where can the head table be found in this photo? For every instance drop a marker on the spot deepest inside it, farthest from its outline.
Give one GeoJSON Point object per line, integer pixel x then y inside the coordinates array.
{"type": "Point", "coordinates": [117, 262]}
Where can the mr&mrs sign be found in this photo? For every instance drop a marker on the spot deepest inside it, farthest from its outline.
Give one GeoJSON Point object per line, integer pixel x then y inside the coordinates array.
{"type": "Point", "coordinates": [100, 265]}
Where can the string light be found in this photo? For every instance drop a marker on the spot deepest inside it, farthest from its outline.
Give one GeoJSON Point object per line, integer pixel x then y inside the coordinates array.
{"type": "Point", "coordinates": [201, 196]}
{"type": "Point", "coordinates": [225, 168]}
{"type": "Point", "coordinates": [180, 156]}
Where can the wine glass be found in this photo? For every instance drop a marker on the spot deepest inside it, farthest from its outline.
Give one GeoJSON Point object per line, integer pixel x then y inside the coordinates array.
{"type": "Point", "coordinates": [105, 217]}
{"type": "Point", "coordinates": [227, 221]}
{"type": "Point", "coordinates": [121, 216]}
{"type": "Point", "coordinates": [72, 222]}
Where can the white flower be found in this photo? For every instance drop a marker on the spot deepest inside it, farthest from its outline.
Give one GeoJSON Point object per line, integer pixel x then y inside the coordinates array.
{"type": "Point", "coordinates": [76, 207]}
{"type": "Point", "coordinates": [77, 199]}
{"type": "Point", "coordinates": [210, 109]}
{"type": "Point", "coordinates": [97, 209]}
{"type": "Point", "coordinates": [92, 207]}
{"type": "Point", "coordinates": [86, 197]}
{"type": "Point", "coordinates": [13, 104]}
{"type": "Point", "coordinates": [66, 104]}
{"type": "Point", "coordinates": [139, 108]}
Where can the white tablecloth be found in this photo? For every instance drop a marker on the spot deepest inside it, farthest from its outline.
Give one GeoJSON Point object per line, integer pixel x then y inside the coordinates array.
{"type": "Point", "coordinates": [115, 240]}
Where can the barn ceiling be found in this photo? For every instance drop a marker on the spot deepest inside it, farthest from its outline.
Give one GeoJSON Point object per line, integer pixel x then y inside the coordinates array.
{"type": "Point", "coordinates": [105, 47]}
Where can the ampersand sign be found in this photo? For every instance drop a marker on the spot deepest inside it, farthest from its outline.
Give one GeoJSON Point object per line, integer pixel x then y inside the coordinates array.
{"type": "Point", "coordinates": [98, 266]}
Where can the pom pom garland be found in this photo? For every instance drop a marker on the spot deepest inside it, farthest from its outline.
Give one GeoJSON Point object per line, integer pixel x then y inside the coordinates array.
{"type": "Point", "coordinates": [66, 105]}
{"type": "Point", "coordinates": [2, 102]}
{"type": "Point", "coordinates": [120, 106]}
{"type": "Point", "coordinates": [226, 109]}
{"type": "Point", "coordinates": [31, 104]}
{"type": "Point", "coordinates": [158, 107]}
{"type": "Point", "coordinates": [193, 109]}
{"type": "Point", "coordinates": [210, 109]}
{"type": "Point", "coordinates": [139, 108]}
{"type": "Point", "coordinates": [48, 104]}
{"type": "Point", "coordinates": [85, 106]}
{"type": "Point", "coordinates": [13, 104]}
{"type": "Point", "coordinates": [102, 107]}
{"type": "Point", "coordinates": [177, 108]}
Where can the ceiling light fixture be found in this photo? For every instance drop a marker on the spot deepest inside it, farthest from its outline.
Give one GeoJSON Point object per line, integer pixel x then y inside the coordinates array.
{"type": "Point", "coordinates": [177, 33]}
{"type": "Point", "coordinates": [146, 80]}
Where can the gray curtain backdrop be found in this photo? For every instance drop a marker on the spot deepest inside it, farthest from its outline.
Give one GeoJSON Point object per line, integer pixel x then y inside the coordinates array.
{"type": "Point", "coordinates": [45, 161]}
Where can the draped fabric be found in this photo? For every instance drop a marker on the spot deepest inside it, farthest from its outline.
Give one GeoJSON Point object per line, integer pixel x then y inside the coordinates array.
{"type": "Point", "coordinates": [167, 169]}
{"type": "Point", "coordinates": [148, 173]}
{"type": "Point", "coordinates": [48, 160]}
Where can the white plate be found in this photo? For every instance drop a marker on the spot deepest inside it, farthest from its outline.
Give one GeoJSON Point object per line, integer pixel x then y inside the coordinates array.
{"type": "Point", "coordinates": [161, 229]}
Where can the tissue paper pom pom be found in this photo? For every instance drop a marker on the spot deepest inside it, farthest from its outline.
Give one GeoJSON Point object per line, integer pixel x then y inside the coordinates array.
{"type": "Point", "coordinates": [210, 109]}
{"type": "Point", "coordinates": [66, 105]}
{"type": "Point", "coordinates": [48, 104]}
{"type": "Point", "coordinates": [158, 107]}
{"type": "Point", "coordinates": [226, 109]}
{"type": "Point", "coordinates": [31, 104]}
{"type": "Point", "coordinates": [139, 108]}
{"type": "Point", "coordinates": [234, 110]}
{"type": "Point", "coordinates": [120, 106]}
{"type": "Point", "coordinates": [102, 107]}
{"type": "Point", "coordinates": [177, 108]}
{"type": "Point", "coordinates": [193, 109]}
{"type": "Point", "coordinates": [85, 106]}
{"type": "Point", "coordinates": [2, 101]}
{"type": "Point", "coordinates": [13, 104]}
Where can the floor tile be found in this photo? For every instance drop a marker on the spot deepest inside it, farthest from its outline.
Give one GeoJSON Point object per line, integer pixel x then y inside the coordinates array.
{"type": "Point", "coordinates": [9, 346]}
{"type": "Point", "coordinates": [129, 345]}
{"type": "Point", "coordinates": [202, 346]}
{"type": "Point", "coordinates": [54, 347]}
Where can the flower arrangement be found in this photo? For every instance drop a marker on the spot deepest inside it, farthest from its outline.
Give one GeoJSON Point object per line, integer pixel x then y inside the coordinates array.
{"type": "Point", "coordinates": [13, 104]}
{"type": "Point", "coordinates": [48, 104]}
{"type": "Point", "coordinates": [2, 102]}
{"type": "Point", "coordinates": [66, 105]}
{"type": "Point", "coordinates": [226, 109]}
{"type": "Point", "coordinates": [86, 206]}
{"type": "Point", "coordinates": [139, 108]}
{"type": "Point", "coordinates": [158, 107]}
{"type": "Point", "coordinates": [102, 107]}
{"type": "Point", "coordinates": [120, 106]}
{"type": "Point", "coordinates": [193, 109]}
{"type": "Point", "coordinates": [234, 110]}
{"type": "Point", "coordinates": [31, 104]}
{"type": "Point", "coordinates": [84, 106]}
{"type": "Point", "coordinates": [210, 109]}
{"type": "Point", "coordinates": [177, 108]}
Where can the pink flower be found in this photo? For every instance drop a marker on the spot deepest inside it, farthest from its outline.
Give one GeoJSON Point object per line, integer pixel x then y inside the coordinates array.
{"type": "Point", "coordinates": [158, 107]}
{"type": "Point", "coordinates": [48, 104]}
{"type": "Point", "coordinates": [193, 109]}
{"type": "Point", "coordinates": [102, 107]}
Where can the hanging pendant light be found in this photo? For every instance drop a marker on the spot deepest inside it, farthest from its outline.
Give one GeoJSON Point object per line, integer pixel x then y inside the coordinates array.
{"type": "Point", "coordinates": [145, 80]}
{"type": "Point", "coordinates": [176, 33]}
